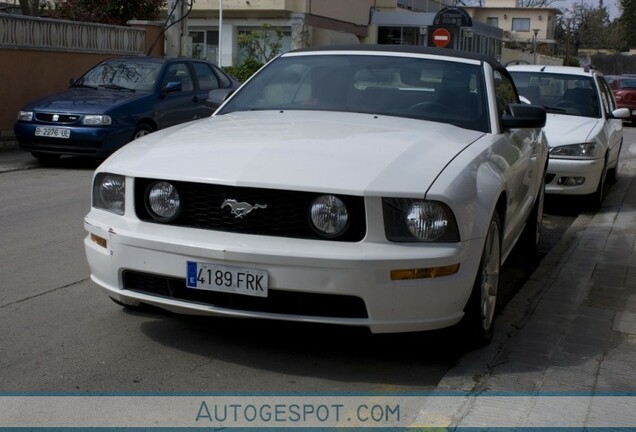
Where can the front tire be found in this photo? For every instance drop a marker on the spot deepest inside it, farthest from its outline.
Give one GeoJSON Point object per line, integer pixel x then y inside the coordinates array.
{"type": "Point", "coordinates": [130, 307]}
{"type": "Point", "coordinates": [142, 130]}
{"type": "Point", "coordinates": [45, 158]}
{"type": "Point", "coordinates": [612, 174]}
{"type": "Point", "coordinates": [478, 323]}
{"type": "Point", "coordinates": [595, 200]}
{"type": "Point", "coordinates": [531, 235]}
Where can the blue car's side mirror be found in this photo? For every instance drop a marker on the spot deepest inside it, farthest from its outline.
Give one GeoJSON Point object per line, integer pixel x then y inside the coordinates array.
{"type": "Point", "coordinates": [171, 87]}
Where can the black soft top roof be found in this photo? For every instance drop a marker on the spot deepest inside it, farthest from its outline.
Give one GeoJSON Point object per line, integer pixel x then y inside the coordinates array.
{"type": "Point", "coordinates": [407, 49]}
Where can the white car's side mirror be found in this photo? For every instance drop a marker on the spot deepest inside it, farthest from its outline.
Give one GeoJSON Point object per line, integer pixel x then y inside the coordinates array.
{"type": "Point", "coordinates": [621, 113]}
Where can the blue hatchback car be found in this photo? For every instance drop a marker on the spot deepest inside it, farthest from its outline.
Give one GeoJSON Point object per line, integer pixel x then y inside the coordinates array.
{"type": "Point", "coordinates": [117, 101]}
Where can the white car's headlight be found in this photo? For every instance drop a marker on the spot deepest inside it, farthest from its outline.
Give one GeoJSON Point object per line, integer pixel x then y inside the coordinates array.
{"type": "Point", "coordinates": [25, 116]}
{"type": "Point", "coordinates": [163, 201]}
{"type": "Point", "coordinates": [583, 150]}
{"type": "Point", "coordinates": [96, 120]}
{"type": "Point", "coordinates": [410, 220]}
{"type": "Point", "coordinates": [329, 216]}
{"type": "Point", "coordinates": [109, 192]}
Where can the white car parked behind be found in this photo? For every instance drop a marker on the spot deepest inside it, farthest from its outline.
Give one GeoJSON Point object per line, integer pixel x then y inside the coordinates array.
{"type": "Point", "coordinates": [584, 127]}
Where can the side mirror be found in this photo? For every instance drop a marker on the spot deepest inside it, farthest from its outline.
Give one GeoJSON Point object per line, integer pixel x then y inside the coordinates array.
{"type": "Point", "coordinates": [620, 113]}
{"type": "Point", "coordinates": [525, 100]}
{"type": "Point", "coordinates": [171, 87]}
{"type": "Point", "coordinates": [519, 116]}
{"type": "Point", "coordinates": [216, 97]}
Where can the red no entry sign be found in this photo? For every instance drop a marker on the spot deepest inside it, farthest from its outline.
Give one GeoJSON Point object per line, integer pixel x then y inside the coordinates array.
{"type": "Point", "coordinates": [441, 37]}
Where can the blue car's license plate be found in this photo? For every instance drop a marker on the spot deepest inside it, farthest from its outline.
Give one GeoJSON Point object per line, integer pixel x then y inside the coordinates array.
{"type": "Point", "coordinates": [52, 132]}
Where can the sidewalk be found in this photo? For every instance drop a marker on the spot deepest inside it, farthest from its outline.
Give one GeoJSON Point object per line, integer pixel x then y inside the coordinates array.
{"type": "Point", "coordinates": [570, 330]}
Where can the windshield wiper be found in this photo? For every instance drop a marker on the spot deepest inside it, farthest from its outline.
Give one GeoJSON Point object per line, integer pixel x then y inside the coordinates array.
{"type": "Point", "coordinates": [84, 85]}
{"type": "Point", "coordinates": [554, 109]}
{"type": "Point", "coordinates": [116, 87]}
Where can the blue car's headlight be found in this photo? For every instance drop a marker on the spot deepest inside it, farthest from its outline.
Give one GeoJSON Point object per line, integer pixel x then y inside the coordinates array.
{"type": "Point", "coordinates": [96, 120]}
{"type": "Point", "coordinates": [25, 116]}
{"type": "Point", "coordinates": [109, 192]}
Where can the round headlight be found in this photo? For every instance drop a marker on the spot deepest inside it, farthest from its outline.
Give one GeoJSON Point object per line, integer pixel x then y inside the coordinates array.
{"type": "Point", "coordinates": [329, 216]}
{"type": "Point", "coordinates": [426, 220]}
{"type": "Point", "coordinates": [163, 201]}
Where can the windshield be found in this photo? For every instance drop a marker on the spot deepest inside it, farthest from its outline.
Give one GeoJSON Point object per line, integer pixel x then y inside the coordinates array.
{"type": "Point", "coordinates": [124, 75]}
{"type": "Point", "coordinates": [559, 93]}
{"type": "Point", "coordinates": [627, 84]}
{"type": "Point", "coordinates": [443, 91]}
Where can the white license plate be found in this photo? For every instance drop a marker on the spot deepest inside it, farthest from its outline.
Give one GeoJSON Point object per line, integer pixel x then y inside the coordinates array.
{"type": "Point", "coordinates": [235, 280]}
{"type": "Point", "coordinates": [52, 132]}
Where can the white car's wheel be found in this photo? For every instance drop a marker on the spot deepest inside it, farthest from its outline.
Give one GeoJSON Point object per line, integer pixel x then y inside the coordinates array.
{"type": "Point", "coordinates": [479, 320]}
{"type": "Point", "coordinates": [596, 199]}
{"type": "Point", "coordinates": [531, 235]}
{"type": "Point", "coordinates": [612, 173]}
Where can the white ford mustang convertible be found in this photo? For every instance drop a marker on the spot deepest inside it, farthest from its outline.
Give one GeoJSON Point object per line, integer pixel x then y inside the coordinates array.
{"type": "Point", "coordinates": [372, 186]}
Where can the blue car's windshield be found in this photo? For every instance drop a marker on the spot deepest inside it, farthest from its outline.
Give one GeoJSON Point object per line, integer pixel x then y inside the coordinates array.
{"type": "Point", "coordinates": [442, 91]}
{"type": "Point", "coordinates": [121, 75]}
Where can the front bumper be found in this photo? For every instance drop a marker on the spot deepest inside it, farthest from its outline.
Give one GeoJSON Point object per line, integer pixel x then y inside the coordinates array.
{"type": "Point", "coordinates": [559, 169]}
{"type": "Point", "coordinates": [331, 270]}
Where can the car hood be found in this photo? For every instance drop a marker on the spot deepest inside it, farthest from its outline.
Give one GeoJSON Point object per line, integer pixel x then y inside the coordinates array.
{"type": "Point", "coordinates": [564, 129]}
{"type": "Point", "coordinates": [357, 154]}
{"type": "Point", "coordinates": [83, 100]}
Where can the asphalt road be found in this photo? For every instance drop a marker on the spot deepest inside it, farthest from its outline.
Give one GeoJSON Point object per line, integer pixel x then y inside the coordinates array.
{"type": "Point", "coordinates": [59, 333]}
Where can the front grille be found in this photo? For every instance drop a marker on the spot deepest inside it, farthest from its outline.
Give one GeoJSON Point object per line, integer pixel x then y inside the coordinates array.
{"type": "Point", "coordinates": [57, 118]}
{"type": "Point", "coordinates": [286, 214]}
{"type": "Point", "coordinates": [279, 302]}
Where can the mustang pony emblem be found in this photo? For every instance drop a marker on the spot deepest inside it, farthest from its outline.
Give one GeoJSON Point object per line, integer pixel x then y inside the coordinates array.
{"type": "Point", "coordinates": [240, 209]}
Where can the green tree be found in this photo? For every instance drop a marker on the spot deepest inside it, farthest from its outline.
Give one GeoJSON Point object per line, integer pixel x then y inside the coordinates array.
{"type": "Point", "coordinates": [261, 46]}
{"type": "Point", "coordinates": [628, 22]}
{"type": "Point", "coordinates": [30, 7]}
{"type": "Point", "coordinates": [592, 26]}
{"type": "Point", "coordinates": [107, 11]}
{"type": "Point", "coordinates": [587, 27]}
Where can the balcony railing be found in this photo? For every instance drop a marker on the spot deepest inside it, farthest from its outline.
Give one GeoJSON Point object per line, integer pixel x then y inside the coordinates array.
{"type": "Point", "coordinates": [423, 5]}
{"type": "Point", "coordinates": [21, 32]}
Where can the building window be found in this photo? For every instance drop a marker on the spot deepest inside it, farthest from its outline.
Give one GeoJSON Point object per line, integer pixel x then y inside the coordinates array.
{"type": "Point", "coordinates": [521, 24]}
{"type": "Point", "coordinates": [401, 36]}
{"type": "Point", "coordinates": [205, 45]}
{"type": "Point", "coordinates": [285, 43]}
{"type": "Point", "coordinates": [493, 21]}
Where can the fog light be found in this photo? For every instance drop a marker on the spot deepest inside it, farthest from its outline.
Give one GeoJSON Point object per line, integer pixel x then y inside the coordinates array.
{"type": "Point", "coordinates": [571, 181]}
{"type": "Point", "coordinates": [99, 241]}
{"type": "Point", "coordinates": [424, 273]}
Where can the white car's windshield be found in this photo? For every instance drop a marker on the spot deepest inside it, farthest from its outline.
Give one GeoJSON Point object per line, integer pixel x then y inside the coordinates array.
{"type": "Point", "coordinates": [559, 93]}
{"type": "Point", "coordinates": [122, 75]}
{"type": "Point", "coordinates": [442, 91]}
